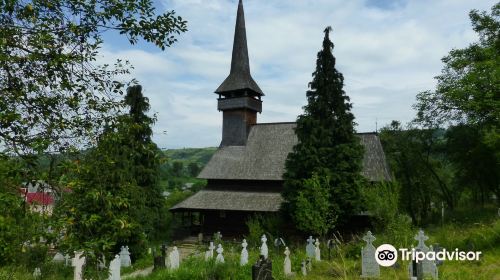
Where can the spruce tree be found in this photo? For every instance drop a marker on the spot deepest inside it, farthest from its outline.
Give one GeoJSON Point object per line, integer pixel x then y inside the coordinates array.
{"type": "Point", "coordinates": [327, 147]}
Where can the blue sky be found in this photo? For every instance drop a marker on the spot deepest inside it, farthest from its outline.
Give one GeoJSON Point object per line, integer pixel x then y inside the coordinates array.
{"type": "Point", "coordinates": [387, 50]}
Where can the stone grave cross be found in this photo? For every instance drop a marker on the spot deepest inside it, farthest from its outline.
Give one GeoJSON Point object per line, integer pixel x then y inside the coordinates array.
{"type": "Point", "coordinates": [264, 251]}
{"type": "Point", "coordinates": [125, 257]}
{"type": "Point", "coordinates": [317, 252]}
{"type": "Point", "coordinates": [369, 266]}
{"type": "Point", "coordinates": [78, 262]}
{"type": "Point", "coordinates": [310, 249]}
{"type": "Point", "coordinates": [244, 253]}
{"type": "Point", "coordinates": [220, 257]}
{"type": "Point", "coordinates": [287, 264]}
{"type": "Point", "coordinates": [421, 238]}
{"type": "Point", "coordinates": [114, 268]}
{"type": "Point", "coordinates": [210, 253]}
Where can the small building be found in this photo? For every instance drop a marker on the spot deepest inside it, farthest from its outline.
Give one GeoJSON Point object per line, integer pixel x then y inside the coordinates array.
{"type": "Point", "coordinates": [245, 175]}
{"type": "Point", "coordinates": [39, 196]}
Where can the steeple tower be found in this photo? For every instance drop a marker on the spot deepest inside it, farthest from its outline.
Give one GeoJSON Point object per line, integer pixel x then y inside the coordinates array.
{"type": "Point", "coordinates": [240, 78]}
{"type": "Point", "coordinates": [239, 95]}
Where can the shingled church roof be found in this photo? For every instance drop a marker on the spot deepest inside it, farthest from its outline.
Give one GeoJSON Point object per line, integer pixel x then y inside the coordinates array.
{"type": "Point", "coordinates": [268, 145]}
{"type": "Point", "coordinates": [232, 200]}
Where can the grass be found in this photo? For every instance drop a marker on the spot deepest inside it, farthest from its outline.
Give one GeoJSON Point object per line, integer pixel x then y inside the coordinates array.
{"type": "Point", "coordinates": [482, 234]}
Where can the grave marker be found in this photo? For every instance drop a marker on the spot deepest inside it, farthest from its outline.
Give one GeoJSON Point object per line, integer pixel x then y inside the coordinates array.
{"type": "Point", "coordinates": [37, 273]}
{"type": "Point", "coordinates": [114, 268]}
{"type": "Point", "coordinates": [264, 251]}
{"type": "Point", "coordinates": [303, 268]}
{"type": "Point", "coordinates": [78, 262]}
{"type": "Point", "coordinates": [310, 249]}
{"type": "Point", "coordinates": [220, 257]}
{"type": "Point", "coordinates": [262, 269]}
{"type": "Point", "coordinates": [287, 264]}
{"type": "Point", "coordinates": [244, 253]}
{"type": "Point", "coordinates": [369, 265]}
{"type": "Point", "coordinates": [58, 258]}
{"type": "Point", "coordinates": [317, 252]}
{"type": "Point", "coordinates": [125, 257]}
{"type": "Point", "coordinates": [210, 253]}
{"type": "Point", "coordinates": [173, 259]}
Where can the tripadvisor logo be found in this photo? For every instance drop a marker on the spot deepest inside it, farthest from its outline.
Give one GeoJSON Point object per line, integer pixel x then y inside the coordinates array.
{"type": "Point", "coordinates": [387, 255]}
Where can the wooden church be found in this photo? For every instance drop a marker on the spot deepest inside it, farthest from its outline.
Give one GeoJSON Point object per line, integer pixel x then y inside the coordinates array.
{"type": "Point", "coordinates": [245, 175]}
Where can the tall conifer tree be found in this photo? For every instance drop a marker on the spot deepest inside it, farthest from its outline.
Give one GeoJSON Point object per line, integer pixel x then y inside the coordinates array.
{"type": "Point", "coordinates": [327, 146]}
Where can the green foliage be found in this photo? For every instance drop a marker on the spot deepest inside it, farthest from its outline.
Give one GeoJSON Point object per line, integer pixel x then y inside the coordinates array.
{"type": "Point", "coordinates": [193, 169]}
{"type": "Point", "coordinates": [418, 159]}
{"type": "Point", "coordinates": [466, 96]}
{"type": "Point", "coordinates": [382, 202]}
{"type": "Point", "coordinates": [314, 211]}
{"type": "Point", "coordinates": [178, 168]}
{"type": "Point", "coordinates": [255, 231]}
{"type": "Point", "coordinates": [52, 89]}
{"type": "Point", "coordinates": [115, 198]}
{"type": "Point", "coordinates": [17, 224]}
{"type": "Point", "coordinates": [327, 143]}
{"type": "Point", "coordinates": [467, 89]}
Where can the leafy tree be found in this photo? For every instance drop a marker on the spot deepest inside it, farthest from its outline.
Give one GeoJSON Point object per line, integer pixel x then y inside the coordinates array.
{"type": "Point", "coordinates": [53, 92]}
{"type": "Point", "coordinates": [316, 214]}
{"type": "Point", "coordinates": [327, 143]}
{"type": "Point", "coordinates": [466, 96]}
{"type": "Point", "coordinates": [420, 164]}
{"type": "Point", "coordinates": [194, 169]}
{"type": "Point", "coordinates": [178, 168]}
{"type": "Point", "coordinates": [474, 162]}
{"type": "Point", "coordinates": [116, 199]}
{"type": "Point", "coordinates": [467, 89]}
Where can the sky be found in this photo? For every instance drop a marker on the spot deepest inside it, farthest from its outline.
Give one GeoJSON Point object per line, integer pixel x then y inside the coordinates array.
{"type": "Point", "coordinates": [387, 50]}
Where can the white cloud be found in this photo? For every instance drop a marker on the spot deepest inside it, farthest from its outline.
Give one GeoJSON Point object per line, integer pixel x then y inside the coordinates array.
{"type": "Point", "coordinates": [387, 51]}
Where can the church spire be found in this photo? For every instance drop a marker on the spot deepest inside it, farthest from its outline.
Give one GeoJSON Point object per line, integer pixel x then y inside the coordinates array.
{"type": "Point", "coordinates": [240, 79]}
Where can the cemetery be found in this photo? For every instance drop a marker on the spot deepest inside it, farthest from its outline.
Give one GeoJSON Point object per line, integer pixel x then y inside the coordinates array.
{"type": "Point", "coordinates": [88, 193]}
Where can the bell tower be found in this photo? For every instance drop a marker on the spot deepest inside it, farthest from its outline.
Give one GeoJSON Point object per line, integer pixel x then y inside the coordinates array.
{"type": "Point", "coordinates": [239, 95]}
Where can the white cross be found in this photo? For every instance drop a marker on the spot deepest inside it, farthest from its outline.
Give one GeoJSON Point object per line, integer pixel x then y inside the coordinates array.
{"type": "Point", "coordinates": [369, 238]}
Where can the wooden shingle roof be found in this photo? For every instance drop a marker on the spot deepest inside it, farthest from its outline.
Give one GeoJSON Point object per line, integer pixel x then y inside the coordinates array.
{"type": "Point", "coordinates": [268, 145]}
{"type": "Point", "coordinates": [231, 200]}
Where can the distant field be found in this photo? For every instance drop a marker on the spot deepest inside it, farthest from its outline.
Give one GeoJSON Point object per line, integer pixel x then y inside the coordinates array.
{"type": "Point", "coordinates": [186, 155]}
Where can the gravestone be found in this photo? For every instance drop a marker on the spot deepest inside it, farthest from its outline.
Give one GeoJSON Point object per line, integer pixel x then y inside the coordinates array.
{"type": "Point", "coordinates": [303, 268]}
{"type": "Point", "coordinates": [220, 257]}
{"type": "Point", "coordinates": [424, 268]}
{"type": "Point", "coordinates": [317, 252]}
{"type": "Point", "coordinates": [125, 257]}
{"type": "Point", "coordinates": [58, 258]}
{"type": "Point", "coordinates": [331, 245]}
{"type": "Point", "coordinates": [278, 242]}
{"type": "Point", "coordinates": [264, 251]}
{"type": "Point", "coordinates": [287, 264]}
{"type": "Point", "coordinates": [369, 265]}
{"type": "Point", "coordinates": [78, 262]}
{"type": "Point", "coordinates": [436, 248]}
{"type": "Point", "coordinates": [244, 253]}
{"type": "Point", "coordinates": [310, 249]}
{"type": "Point", "coordinates": [67, 260]}
{"type": "Point", "coordinates": [217, 237]}
{"type": "Point", "coordinates": [173, 259]}
{"type": "Point", "coordinates": [114, 268]}
{"type": "Point", "coordinates": [309, 264]}
{"type": "Point", "coordinates": [262, 269]}
{"type": "Point", "coordinates": [210, 253]}
{"type": "Point", "coordinates": [37, 273]}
